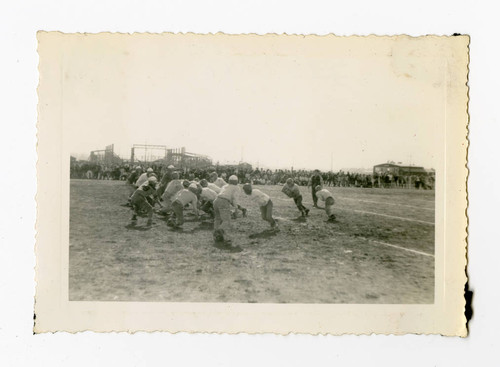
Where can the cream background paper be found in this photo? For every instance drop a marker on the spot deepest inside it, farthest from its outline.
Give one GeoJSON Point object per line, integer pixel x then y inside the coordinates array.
{"type": "Point", "coordinates": [447, 56]}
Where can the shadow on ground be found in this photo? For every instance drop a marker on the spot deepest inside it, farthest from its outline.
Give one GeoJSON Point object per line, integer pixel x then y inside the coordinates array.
{"type": "Point", "coordinates": [268, 233]}
{"type": "Point", "coordinates": [138, 228]}
{"type": "Point", "coordinates": [227, 247]}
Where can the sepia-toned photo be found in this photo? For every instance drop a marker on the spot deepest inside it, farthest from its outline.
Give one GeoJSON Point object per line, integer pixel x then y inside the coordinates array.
{"type": "Point", "coordinates": [252, 175]}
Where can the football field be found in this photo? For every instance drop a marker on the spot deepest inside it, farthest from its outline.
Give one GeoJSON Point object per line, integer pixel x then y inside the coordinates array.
{"type": "Point", "coordinates": [379, 250]}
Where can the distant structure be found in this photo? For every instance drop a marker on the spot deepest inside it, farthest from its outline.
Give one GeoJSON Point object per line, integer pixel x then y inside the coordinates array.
{"type": "Point", "coordinates": [147, 153]}
{"type": "Point", "coordinates": [160, 154]}
{"type": "Point", "coordinates": [182, 159]}
{"type": "Point", "coordinates": [105, 156]}
{"type": "Point", "coordinates": [400, 170]}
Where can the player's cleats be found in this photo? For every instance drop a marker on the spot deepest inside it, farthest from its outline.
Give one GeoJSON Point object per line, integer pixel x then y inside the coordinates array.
{"type": "Point", "coordinates": [219, 235]}
{"type": "Point", "coordinates": [307, 212]}
{"type": "Point", "coordinates": [331, 218]}
{"type": "Point", "coordinates": [244, 212]}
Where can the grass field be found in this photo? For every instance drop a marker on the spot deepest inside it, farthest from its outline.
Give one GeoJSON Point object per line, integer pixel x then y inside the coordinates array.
{"type": "Point", "coordinates": [380, 250]}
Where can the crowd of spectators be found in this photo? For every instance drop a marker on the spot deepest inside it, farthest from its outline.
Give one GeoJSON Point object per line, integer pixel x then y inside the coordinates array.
{"type": "Point", "coordinates": [88, 170]}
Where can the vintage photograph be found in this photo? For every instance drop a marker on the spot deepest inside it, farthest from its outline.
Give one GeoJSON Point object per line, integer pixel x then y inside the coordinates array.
{"type": "Point", "coordinates": [205, 172]}
{"type": "Point", "coordinates": [271, 170]}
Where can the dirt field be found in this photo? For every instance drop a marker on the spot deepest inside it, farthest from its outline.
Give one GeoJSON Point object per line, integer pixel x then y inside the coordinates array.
{"type": "Point", "coordinates": [380, 250]}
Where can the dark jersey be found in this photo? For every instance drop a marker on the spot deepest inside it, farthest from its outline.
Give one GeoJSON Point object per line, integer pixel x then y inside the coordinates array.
{"type": "Point", "coordinates": [316, 180]}
{"type": "Point", "coordinates": [167, 177]}
{"type": "Point", "coordinates": [143, 192]}
{"type": "Point", "coordinates": [132, 178]}
{"type": "Point", "coordinates": [165, 180]}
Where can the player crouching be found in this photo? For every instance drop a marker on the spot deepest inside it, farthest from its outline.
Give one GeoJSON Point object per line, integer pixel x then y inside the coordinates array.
{"type": "Point", "coordinates": [327, 197]}
{"type": "Point", "coordinates": [207, 197]}
{"type": "Point", "coordinates": [265, 204]}
{"type": "Point", "coordinates": [291, 189]}
{"type": "Point", "coordinates": [222, 210]}
{"type": "Point", "coordinates": [172, 189]}
{"type": "Point", "coordinates": [183, 198]}
{"type": "Point", "coordinates": [140, 202]}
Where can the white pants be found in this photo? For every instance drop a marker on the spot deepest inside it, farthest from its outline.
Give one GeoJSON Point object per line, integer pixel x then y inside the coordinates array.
{"type": "Point", "coordinates": [222, 214]}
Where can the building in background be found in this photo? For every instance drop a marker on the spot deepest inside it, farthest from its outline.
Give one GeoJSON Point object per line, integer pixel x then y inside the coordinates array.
{"type": "Point", "coordinates": [393, 169]}
{"type": "Point", "coordinates": [391, 174]}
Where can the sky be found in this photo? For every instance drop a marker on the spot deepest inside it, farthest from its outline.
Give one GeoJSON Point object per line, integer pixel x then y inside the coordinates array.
{"type": "Point", "coordinates": [274, 101]}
